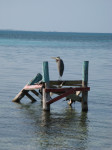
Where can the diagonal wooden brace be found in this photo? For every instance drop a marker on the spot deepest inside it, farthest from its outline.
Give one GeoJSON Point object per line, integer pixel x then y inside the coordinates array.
{"type": "Point", "coordinates": [70, 91]}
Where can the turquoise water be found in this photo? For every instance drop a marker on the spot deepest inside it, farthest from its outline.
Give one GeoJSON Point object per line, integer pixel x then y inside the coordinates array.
{"type": "Point", "coordinates": [26, 126]}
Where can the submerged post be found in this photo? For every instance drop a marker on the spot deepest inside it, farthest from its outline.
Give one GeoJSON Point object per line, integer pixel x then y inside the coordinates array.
{"type": "Point", "coordinates": [85, 84]}
{"type": "Point", "coordinates": [46, 95]}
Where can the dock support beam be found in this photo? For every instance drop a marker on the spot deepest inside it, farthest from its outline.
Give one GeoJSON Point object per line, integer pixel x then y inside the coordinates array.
{"type": "Point", "coordinates": [23, 92]}
{"type": "Point", "coordinates": [46, 95]}
{"type": "Point", "coordinates": [85, 84]}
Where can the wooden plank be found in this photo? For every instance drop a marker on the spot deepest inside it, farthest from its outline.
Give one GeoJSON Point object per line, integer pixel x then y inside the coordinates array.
{"type": "Point", "coordinates": [74, 97]}
{"type": "Point", "coordinates": [30, 97]}
{"type": "Point", "coordinates": [19, 96]}
{"type": "Point", "coordinates": [58, 90]}
{"type": "Point", "coordinates": [70, 91]}
{"type": "Point", "coordinates": [37, 94]}
{"type": "Point", "coordinates": [32, 87]}
{"type": "Point", "coordinates": [66, 82]}
{"type": "Point", "coordinates": [36, 79]}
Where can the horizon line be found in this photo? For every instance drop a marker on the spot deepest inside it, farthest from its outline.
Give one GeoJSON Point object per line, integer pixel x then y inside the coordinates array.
{"type": "Point", "coordinates": [54, 31]}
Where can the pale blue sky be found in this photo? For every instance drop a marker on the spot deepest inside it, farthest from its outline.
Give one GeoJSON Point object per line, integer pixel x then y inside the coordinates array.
{"type": "Point", "coordinates": [57, 15]}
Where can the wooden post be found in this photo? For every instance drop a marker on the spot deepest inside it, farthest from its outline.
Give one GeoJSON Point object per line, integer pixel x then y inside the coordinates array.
{"type": "Point", "coordinates": [85, 84]}
{"type": "Point", "coordinates": [46, 95]}
{"type": "Point", "coordinates": [35, 79]}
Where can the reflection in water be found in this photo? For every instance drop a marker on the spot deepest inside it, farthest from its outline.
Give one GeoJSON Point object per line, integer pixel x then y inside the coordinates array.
{"type": "Point", "coordinates": [65, 129]}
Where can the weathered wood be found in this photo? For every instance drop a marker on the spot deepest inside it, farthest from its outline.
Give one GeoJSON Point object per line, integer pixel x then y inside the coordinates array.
{"type": "Point", "coordinates": [30, 97]}
{"type": "Point", "coordinates": [85, 73]}
{"type": "Point", "coordinates": [21, 94]}
{"type": "Point", "coordinates": [32, 87]}
{"type": "Point", "coordinates": [36, 93]}
{"type": "Point", "coordinates": [66, 82]}
{"type": "Point", "coordinates": [67, 92]}
{"type": "Point", "coordinates": [61, 90]}
{"type": "Point", "coordinates": [45, 75]}
{"type": "Point", "coordinates": [46, 95]}
{"type": "Point", "coordinates": [36, 79]}
{"type": "Point", "coordinates": [70, 91]}
{"type": "Point", "coordinates": [85, 84]}
{"type": "Point", "coordinates": [74, 97]}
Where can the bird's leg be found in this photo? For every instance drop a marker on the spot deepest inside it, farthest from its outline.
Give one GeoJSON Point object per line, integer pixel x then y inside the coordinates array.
{"type": "Point", "coordinates": [59, 79]}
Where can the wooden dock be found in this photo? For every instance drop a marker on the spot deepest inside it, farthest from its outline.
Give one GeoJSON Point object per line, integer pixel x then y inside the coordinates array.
{"type": "Point", "coordinates": [71, 90]}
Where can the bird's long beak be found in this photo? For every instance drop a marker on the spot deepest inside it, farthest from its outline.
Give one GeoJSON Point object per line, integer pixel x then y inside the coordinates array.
{"type": "Point", "coordinates": [53, 57]}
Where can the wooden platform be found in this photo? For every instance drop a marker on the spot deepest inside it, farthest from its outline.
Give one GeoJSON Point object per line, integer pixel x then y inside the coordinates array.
{"type": "Point", "coordinates": [42, 87]}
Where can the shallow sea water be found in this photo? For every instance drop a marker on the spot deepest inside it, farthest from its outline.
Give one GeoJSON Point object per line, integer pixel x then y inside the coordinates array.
{"type": "Point", "coordinates": [26, 126]}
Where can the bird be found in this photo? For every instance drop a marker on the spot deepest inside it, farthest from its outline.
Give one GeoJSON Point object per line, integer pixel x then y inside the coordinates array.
{"type": "Point", "coordinates": [60, 65]}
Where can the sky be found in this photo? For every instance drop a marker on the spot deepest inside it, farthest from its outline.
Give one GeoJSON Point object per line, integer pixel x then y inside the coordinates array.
{"type": "Point", "coordinates": [57, 15]}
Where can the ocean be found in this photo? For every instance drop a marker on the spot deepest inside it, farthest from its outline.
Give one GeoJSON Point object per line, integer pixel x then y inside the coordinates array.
{"type": "Point", "coordinates": [26, 126]}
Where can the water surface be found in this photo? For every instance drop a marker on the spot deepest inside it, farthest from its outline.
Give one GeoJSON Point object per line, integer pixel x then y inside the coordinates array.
{"type": "Point", "coordinates": [26, 126]}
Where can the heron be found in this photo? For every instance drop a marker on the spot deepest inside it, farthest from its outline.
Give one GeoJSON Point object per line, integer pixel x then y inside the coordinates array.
{"type": "Point", "coordinates": [60, 65]}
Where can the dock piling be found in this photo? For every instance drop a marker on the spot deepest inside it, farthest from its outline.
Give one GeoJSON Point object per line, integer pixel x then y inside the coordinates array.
{"type": "Point", "coordinates": [46, 95]}
{"type": "Point", "coordinates": [85, 84]}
